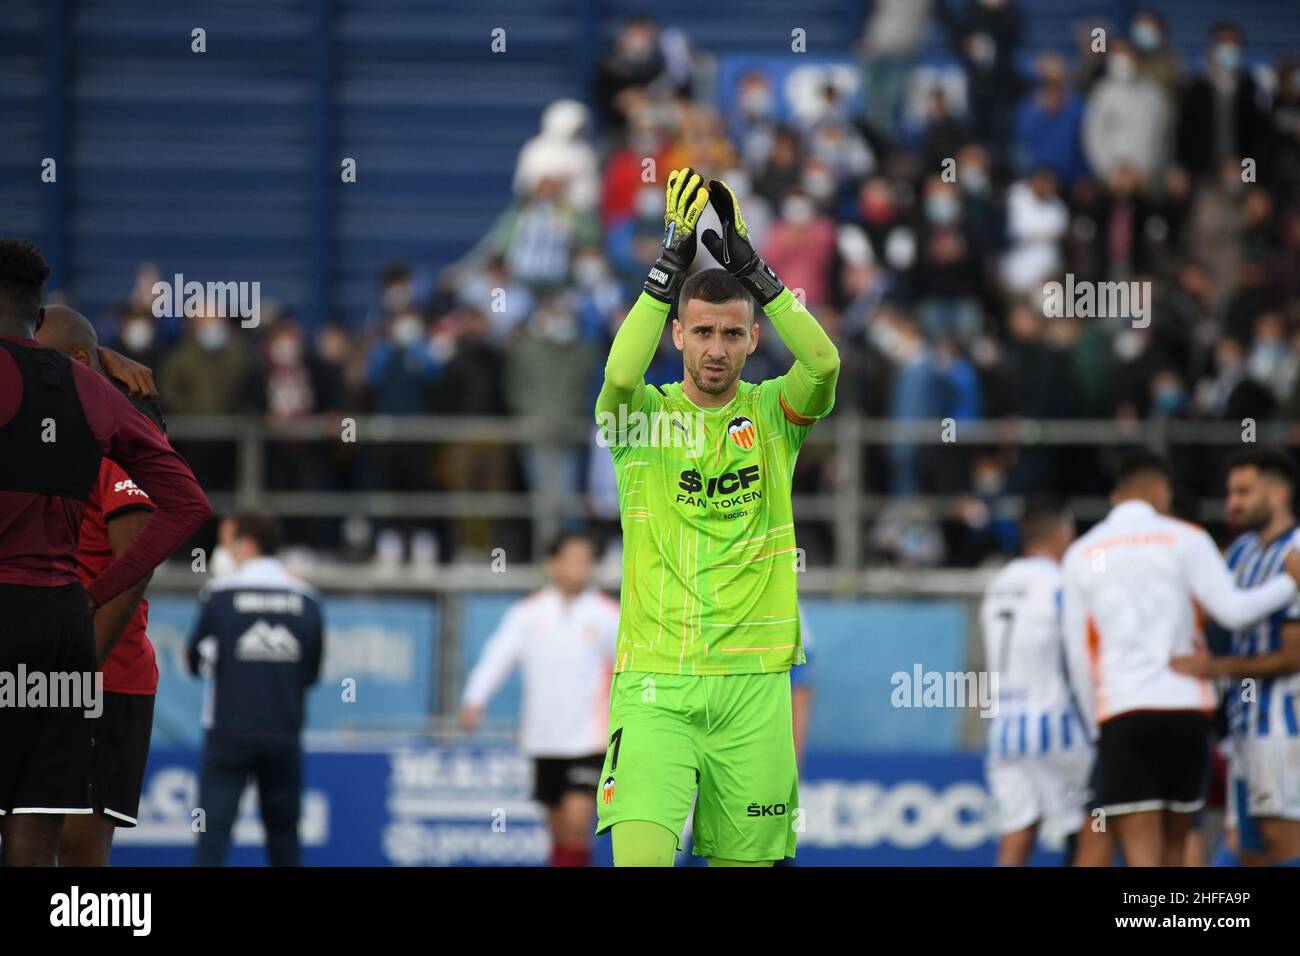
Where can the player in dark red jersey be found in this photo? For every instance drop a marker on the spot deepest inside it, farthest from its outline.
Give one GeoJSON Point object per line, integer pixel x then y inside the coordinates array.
{"type": "Point", "coordinates": [58, 420]}
{"type": "Point", "coordinates": [118, 508]}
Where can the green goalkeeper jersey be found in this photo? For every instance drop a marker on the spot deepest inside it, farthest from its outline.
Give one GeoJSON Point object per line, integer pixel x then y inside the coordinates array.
{"type": "Point", "coordinates": [709, 553]}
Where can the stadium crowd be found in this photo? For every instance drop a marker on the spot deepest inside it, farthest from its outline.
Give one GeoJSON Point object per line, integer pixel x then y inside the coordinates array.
{"type": "Point", "coordinates": [1123, 165]}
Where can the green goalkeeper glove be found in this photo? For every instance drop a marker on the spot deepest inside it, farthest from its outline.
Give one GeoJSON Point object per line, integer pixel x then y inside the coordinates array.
{"type": "Point", "coordinates": [733, 249]}
{"type": "Point", "coordinates": [687, 197]}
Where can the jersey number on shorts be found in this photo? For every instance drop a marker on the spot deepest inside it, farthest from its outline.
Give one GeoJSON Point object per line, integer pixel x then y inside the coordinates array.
{"type": "Point", "coordinates": [615, 739]}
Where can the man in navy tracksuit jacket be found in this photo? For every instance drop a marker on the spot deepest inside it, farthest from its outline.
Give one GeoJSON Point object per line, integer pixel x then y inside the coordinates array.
{"type": "Point", "coordinates": [258, 640]}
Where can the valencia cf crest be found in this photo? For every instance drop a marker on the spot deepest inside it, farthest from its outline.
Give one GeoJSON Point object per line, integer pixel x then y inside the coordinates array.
{"type": "Point", "coordinates": [742, 432]}
{"type": "Point", "coordinates": [607, 791]}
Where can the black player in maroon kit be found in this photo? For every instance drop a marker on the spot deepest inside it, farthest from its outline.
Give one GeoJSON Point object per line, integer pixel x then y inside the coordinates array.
{"type": "Point", "coordinates": [58, 420]}
{"type": "Point", "coordinates": [117, 511]}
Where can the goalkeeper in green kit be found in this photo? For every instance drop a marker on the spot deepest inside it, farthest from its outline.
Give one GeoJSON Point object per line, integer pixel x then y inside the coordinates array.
{"type": "Point", "coordinates": [709, 625]}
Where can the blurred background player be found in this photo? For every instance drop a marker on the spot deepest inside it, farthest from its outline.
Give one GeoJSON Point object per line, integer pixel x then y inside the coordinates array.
{"type": "Point", "coordinates": [115, 514]}
{"type": "Point", "coordinates": [259, 640]}
{"type": "Point", "coordinates": [1039, 753]}
{"type": "Point", "coordinates": [1262, 669]}
{"type": "Point", "coordinates": [562, 637]}
{"type": "Point", "coordinates": [1130, 585]}
{"type": "Point", "coordinates": [45, 753]}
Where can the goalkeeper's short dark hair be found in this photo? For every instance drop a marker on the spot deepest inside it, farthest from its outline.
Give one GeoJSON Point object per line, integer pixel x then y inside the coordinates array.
{"type": "Point", "coordinates": [23, 272]}
{"type": "Point", "coordinates": [712, 285]}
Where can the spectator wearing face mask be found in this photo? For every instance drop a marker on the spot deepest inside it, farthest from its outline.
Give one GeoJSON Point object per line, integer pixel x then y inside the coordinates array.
{"type": "Point", "coordinates": [290, 380]}
{"type": "Point", "coordinates": [1227, 371]}
{"type": "Point", "coordinates": [1158, 59]}
{"type": "Point", "coordinates": [398, 291]}
{"type": "Point", "coordinates": [138, 339]}
{"type": "Point", "coordinates": [701, 141]}
{"type": "Point", "coordinates": [963, 401]}
{"type": "Point", "coordinates": [561, 151]}
{"type": "Point", "coordinates": [151, 335]}
{"type": "Point", "coordinates": [402, 366]}
{"type": "Point", "coordinates": [893, 33]}
{"type": "Point", "coordinates": [883, 221]}
{"type": "Point", "coordinates": [978, 198]}
{"type": "Point", "coordinates": [621, 180]}
{"type": "Point", "coordinates": [505, 300]}
{"type": "Point", "coordinates": [1127, 224]}
{"type": "Point", "coordinates": [1272, 362]}
{"type": "Point", "coordinates": [633, 241]}
{"type": "Point", "coordinates": [1221, 116]}
{"type": "Point", "coordinates": [209, 373]}
{"type": "Point", "coordinates": [1168, 395]}
{"type": "Point", "coordinates": [633, 62]}
{"type": "Point", "coordinates": [1126, 121]}
{"type": "Point", "coordinates": [1037, 219]}
{"type": "Point", "coordinates": [981, 525]}
{"type": "Point", "coordinates": [293, 386]}
{"type": "Point", "coordinates": [1216, 223]}
{"type": "Point", "coordinates": [401, 370]}
{"type": "Point", "coordinates": [987, 35]}
{"type": "Point", "coordinates": [944, 132]}
{"type": "Point", "coordinates": [1251, 298]}
{"type": "Point", "coordinates": [547, 378]}
{"type": "Point", "coordinates": [947, 274]}
{"type": "Point", "coordinates": [1049, 123]}
{"type": "Point", "coordinates": [783, 169]}
{"type": "Point", "coordinates": [837, 154]}
{"type": "Point", "coordinates": [800, 247]}
{"type": "Point", "coordinates": [1032, 381]}
{"type": "Point", "coordinates": [1285, 133]}
{"type": "Point", "coordinates": [917, 391]}
{"type": "Point", "coordinates": [598, 296]}
{"type": "Point", "coordinates": [536, 237]}
{"type": "Point", "coordinates": [754, 123]}
{"type": "Point", "coordinates": [472, 383]}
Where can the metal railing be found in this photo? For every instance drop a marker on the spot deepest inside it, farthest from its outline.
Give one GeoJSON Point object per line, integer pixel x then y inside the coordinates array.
{"type": "Point", "coordinates": [845, 508]}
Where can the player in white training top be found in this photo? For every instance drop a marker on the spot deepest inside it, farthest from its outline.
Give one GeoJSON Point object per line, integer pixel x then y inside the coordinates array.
{"type": "Point", "coordinates": [1039, 754]}
{"type": "Point", "coordinates": [1135, 586]}
{"type": "Point", "coordinates": [562, 637]}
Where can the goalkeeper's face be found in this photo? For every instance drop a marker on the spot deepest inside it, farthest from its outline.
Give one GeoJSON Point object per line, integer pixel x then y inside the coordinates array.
{"type": "Point", "coordinates": [714, 339]}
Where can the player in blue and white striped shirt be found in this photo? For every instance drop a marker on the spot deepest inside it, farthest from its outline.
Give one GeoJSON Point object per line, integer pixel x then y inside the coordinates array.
{"type": "Point", "coordinates": [1263, 669]}
{"type": "Point", "coordinates": [1039, 753]}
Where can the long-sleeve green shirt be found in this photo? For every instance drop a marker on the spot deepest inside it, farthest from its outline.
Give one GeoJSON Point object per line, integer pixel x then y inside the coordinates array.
{"type": "Point", "coordinates": [709, 555]}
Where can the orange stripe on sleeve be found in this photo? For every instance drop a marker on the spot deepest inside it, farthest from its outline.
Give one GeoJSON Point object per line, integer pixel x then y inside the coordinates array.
{"type": "Point", "coordinates": [793, 416]}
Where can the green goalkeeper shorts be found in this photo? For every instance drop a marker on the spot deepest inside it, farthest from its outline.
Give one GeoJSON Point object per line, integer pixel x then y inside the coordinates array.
{"type": "Point", "coordinates": [728, 736]}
